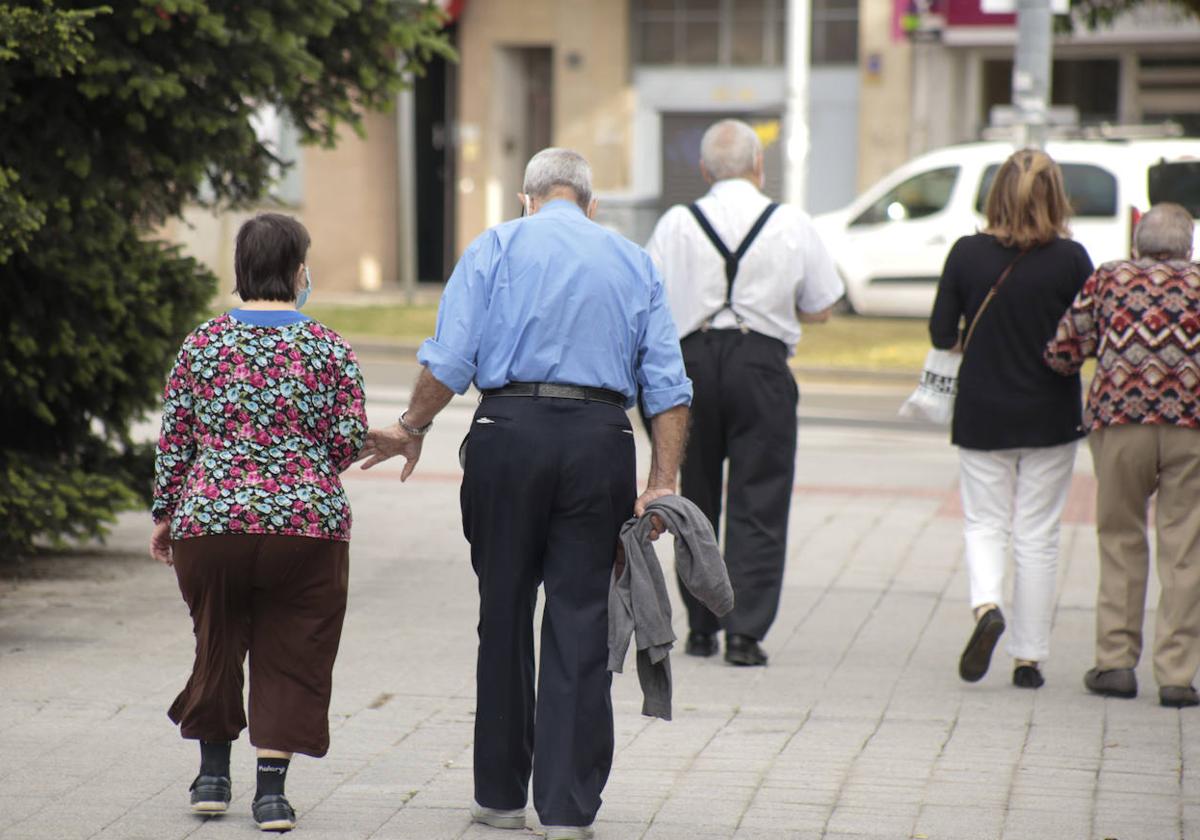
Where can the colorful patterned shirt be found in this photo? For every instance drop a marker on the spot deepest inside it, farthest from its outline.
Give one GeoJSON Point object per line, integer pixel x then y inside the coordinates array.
{"type": "Point", "coordinates": [1141, 320]}
{"type": "Point", "coordinates": [261, 412]}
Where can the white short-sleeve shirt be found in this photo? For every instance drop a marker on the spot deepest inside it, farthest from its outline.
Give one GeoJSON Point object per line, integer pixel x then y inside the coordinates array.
{"type": "Point", "coordinates": [787, 268]}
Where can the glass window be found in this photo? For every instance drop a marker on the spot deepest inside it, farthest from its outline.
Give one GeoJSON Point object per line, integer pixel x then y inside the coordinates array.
{"type": "Point", "coordinates": [748, 43]}
{"type": "Point", "coordinates": [749, 32]}
{"type": "Point", "coordinates": [702, 41]}
{"type": "Point", "coordinates": [1091, 190]}
{"type": "Point", "coordinates": [834, 31]}
{"type": "Point", "coordinates": [658, 42]}
{"type": "Point", "coordinates": [1178, 182]}
{"type": "Point", "coordinates": [745, 33]}
{"type": "Point", "coordinates": [921, 195]}
{"type": "Point", "coordinates": [1092, 86]}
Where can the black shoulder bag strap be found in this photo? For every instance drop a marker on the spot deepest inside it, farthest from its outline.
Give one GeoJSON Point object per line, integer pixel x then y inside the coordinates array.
{"type": "Point", "coordinates": [731, 258]}
{"type": "Point", "coordinates": [990, 297]}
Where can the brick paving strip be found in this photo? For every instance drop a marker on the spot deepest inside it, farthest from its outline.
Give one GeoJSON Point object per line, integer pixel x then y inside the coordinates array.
{"type": "Point", "coordinates": [859, 727]}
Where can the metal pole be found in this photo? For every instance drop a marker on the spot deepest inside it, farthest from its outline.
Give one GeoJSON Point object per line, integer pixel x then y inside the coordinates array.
{"type": "Point", "coordinates": [1031, 71]}
{"type": "Point", "coordinates": [799, 25]}
{"type": "Point", "coordinates": [406, 194]}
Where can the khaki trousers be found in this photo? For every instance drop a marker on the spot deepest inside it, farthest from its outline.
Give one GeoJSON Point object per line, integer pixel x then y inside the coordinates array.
{"type": "Point", "coordinates": [1132, 462]}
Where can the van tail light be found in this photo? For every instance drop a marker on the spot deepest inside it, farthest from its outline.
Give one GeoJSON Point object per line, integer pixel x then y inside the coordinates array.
{"type": "Point", "coordinates": [1135, 216]}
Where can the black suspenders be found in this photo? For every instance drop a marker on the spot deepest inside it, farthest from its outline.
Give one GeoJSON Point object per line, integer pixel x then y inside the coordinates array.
{"type": "Point", "coordinates": [732, 258]}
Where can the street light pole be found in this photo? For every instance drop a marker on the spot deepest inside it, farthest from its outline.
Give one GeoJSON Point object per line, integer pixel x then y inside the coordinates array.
{"type": "Point", "coordinates": [799, 25]}
{"type": "Point", "coordinates": [1031, 72]}
{"type": "Point", "coordinates": [406, 193]}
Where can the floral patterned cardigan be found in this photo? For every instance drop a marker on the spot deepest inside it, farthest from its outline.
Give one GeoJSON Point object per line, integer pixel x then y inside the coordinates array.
{"type": "Point", "coordinates": [261, 413]}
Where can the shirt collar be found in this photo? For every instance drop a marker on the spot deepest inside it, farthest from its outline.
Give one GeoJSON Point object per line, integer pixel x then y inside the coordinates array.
{"type": "Point", "coordinates": [734, 187]}
{"type": "Point", "coordinates": [267, 317]}
{"type": "Point", "coordinates": [559, 205]}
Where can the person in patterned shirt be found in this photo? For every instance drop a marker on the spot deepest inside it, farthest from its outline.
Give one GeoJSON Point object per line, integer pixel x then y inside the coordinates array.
{"type": "Point", "coordinates": [1140, 318]}
{"type": "Point", "coordinates": [263, 409]}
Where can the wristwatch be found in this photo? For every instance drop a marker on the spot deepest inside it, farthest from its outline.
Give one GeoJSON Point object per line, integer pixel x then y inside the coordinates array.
{"type": "Point", "coordinates": [415, 431]}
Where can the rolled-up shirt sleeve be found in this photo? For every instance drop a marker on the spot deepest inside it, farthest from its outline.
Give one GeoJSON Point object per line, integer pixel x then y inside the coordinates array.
{"type": "Point", "coordinates": [452, 352]}
{"type": "Point", "coordinates": [660, 372]}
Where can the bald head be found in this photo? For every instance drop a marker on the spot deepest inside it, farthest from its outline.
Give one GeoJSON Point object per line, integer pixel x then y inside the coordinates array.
{"type": "Point", "coordinates": [731, 149]}
{"type": "Point", "coordinates": [1164, 233]}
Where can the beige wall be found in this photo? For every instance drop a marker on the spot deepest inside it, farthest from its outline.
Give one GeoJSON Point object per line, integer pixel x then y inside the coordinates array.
{"type": "Point", "coordinates": [592, 105]}
{"type": "Point", "coordinates": [885, 101]}
{"type": "Point", "coordinates": [348, 204]}
{"type": "Point", "coordinates": [349, 207]}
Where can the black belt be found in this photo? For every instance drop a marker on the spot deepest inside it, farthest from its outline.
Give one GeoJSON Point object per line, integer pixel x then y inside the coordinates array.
{"type": "Point", "coordinates": [551, 389]}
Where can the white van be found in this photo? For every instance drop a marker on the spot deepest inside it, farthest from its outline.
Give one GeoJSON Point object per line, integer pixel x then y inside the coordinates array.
{"type": "Point", "coordinates": [890, 243]}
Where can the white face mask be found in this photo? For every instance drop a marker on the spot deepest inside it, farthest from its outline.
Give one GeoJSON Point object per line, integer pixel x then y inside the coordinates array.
{"type": "Point", "coordinates": [302, 298]}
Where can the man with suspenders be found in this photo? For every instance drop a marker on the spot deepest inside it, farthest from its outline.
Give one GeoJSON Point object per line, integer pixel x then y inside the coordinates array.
{"type": "Point", "coordinates": [738, 308]}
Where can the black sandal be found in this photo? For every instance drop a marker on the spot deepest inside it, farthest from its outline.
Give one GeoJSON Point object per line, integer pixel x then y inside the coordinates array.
{"type": "Point", "coordinates": [1028, 676]}
{"type": "Point", "coordinates": [978, 653]}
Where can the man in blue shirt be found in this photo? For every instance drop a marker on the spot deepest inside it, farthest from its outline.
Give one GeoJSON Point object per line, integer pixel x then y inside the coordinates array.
{"type": "Point", "coordinates": [558, 322]}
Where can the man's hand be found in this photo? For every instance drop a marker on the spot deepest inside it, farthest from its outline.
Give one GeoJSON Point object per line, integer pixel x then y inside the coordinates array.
{"type": "Point", "coordinates": [160, 543]}
{"type": "Point", "coordinates": [388, 442]}
{"type": "Point", "coordinates": [668, 433]}
{"type": "Point", "coordinates": [657, 528]}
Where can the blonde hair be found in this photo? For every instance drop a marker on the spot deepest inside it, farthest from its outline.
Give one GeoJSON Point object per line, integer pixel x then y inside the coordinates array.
{"type": "Point", "coordinates": [1027, 205]}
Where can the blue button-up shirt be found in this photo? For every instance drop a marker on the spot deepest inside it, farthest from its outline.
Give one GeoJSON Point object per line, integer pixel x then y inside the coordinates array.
{"type": "Point", "coordinates": [554, 297]}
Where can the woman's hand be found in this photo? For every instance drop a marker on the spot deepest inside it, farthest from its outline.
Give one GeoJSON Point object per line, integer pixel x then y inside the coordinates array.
{"type": "Point", "coordinates": [160, 543]}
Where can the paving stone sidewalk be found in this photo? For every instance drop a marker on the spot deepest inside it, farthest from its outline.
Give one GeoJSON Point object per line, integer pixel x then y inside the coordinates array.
{"type": "Point", "coordinates": [859, 727]}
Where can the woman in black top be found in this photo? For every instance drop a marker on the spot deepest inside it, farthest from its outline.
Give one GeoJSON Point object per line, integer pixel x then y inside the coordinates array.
{"type": "Point", "coordinates": [1016, 422]}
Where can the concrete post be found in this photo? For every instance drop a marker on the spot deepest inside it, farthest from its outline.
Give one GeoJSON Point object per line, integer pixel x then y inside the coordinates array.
{"type": "Point", "coordinates": [799, 26]}
{"type": "Point", "coordinates": [1031, 71]}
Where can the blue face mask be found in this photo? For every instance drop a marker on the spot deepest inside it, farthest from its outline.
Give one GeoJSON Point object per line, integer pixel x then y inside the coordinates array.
{"type": "Point", "coordinates": [302, 298]}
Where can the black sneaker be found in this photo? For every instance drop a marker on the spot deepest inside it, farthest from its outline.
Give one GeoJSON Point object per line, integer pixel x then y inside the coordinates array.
{"type": "Point", "coordinates": [211, 794]}
{"type": "Point", "coordinates": [273, 812]}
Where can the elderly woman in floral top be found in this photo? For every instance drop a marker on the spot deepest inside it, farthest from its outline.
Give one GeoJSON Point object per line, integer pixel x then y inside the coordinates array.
{"type": "Point", "coordinates": [263, 409]}
{"type": "Point", "coordinates": [1140, 319]}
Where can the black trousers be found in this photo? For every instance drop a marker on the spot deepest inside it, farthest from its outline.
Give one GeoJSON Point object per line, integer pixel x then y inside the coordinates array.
{"type": "Point", "coordinates": [743, 412]}
{"type": "Point", "coordinates": [547, 484]}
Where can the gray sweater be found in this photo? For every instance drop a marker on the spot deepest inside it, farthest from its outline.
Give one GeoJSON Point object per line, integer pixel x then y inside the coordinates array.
{"type": "Point", "coordinates": [638, 601]}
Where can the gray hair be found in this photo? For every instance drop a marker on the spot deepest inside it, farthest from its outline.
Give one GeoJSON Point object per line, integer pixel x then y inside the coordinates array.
{"type": "Point", "coordinates": [729, 149]}
{"type": "Point", "coordinates": [1164, 233]}
{"type": "Point", "coordinates": [556, 167]}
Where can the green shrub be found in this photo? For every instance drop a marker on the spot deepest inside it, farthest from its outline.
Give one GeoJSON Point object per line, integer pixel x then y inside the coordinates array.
{"type": "Point", "coordinates": [112, 118]}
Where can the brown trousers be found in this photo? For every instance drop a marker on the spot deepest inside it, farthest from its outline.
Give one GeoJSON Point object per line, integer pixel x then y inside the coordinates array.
{"type": "Point", "coordinates": [1132, 462]}
{"type": "Point", "coordinates": [280, 598]}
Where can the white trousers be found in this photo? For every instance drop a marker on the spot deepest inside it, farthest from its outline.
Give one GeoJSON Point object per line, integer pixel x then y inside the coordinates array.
{"type": "Point", "coordinates": [1017, 494]}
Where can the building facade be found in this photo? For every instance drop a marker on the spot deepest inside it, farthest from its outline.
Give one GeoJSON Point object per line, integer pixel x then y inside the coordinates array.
{"type": "Point", "coordinates": [632, 84]}
{"type": "Point", "coordinates": [951, 82]}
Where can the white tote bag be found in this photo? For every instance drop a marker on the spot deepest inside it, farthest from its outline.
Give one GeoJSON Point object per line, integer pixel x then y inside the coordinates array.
{"type": "Point", "coordinates": [933, 399]}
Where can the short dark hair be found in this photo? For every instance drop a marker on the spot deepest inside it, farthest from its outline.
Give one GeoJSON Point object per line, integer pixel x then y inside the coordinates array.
{"type": "Point", "coordinates": [270, 249]}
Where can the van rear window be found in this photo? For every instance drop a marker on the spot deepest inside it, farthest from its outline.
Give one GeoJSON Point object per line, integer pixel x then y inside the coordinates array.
{"type": "Point", "coordinates": [1092, 190]}
{"type": "Point", "coordinates": [1177, 181]}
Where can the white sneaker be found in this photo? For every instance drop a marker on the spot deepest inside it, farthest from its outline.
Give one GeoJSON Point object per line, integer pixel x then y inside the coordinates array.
{"type": "Point", "coordinates": [569, 832]}
{"type": "Point", "coordinates": [497, 818]}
